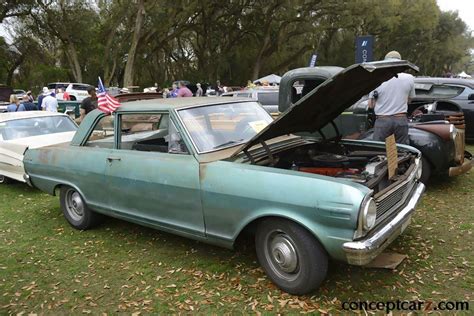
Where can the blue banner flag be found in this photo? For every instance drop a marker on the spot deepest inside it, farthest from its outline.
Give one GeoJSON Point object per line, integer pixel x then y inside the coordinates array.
{"type": "Point", "coordinates": [364, 51]}
{"type": "Point", "coordinates": [313, 59]}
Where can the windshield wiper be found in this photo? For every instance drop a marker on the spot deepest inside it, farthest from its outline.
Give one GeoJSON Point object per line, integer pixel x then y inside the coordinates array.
{"type": "Point", "coordinates": [230, 142]}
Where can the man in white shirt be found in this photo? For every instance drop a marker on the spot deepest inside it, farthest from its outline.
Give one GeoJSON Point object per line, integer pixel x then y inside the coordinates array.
{"type": "Point", "coordinates": [49, 103]}
{"type": "Point", "coordinates": [390, 102]}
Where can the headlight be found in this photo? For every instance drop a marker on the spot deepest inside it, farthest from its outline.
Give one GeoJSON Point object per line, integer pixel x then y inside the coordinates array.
{"type": "Point", "coordinates": [369, 213]}
{"type": "Point", "coordinates": [419, 169]}
{"type": "Point", "coordinates": [452, 131]}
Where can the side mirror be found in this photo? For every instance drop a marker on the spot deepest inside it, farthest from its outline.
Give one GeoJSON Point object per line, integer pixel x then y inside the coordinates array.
{"type": "Point", "coordinates": [471, 97]}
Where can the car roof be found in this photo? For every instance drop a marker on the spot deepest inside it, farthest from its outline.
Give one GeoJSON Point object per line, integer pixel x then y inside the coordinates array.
{"type": "Point", "coordinates": [440, 80]}
{"type": "Point", "coordinates": [176, 103]}
{"type": "Point", "coordinates": [9, 116]}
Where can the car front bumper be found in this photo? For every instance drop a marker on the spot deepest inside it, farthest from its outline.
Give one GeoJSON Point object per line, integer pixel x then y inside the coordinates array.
{"type": "Point", "coordinates": [463, 168]}
{"type": "Point", "coordinates": [363, 251]}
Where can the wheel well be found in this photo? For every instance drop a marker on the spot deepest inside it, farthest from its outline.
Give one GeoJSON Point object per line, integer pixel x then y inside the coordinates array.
{"type": "Point", "coordinates": [247, 234]}
{"type": "Point", "coordinates": [57, 187]}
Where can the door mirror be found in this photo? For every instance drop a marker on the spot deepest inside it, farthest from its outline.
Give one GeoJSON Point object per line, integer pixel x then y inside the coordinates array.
{"type": "Point", "coordinates": [471, 97]}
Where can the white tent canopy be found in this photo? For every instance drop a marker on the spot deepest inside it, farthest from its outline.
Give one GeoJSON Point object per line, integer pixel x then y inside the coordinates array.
{"type": "Point", "coordinates": [464, 75]}
{"type": "Point", "coordinates": [271, 79]}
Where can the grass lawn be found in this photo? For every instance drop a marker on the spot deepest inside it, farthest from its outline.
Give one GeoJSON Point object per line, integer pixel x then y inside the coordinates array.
{"type": "Point", "coordinates": [46, 267]}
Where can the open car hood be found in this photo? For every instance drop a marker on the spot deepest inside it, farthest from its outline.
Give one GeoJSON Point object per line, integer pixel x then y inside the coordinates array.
{"type": "Point", "coordinates": [325, 102]}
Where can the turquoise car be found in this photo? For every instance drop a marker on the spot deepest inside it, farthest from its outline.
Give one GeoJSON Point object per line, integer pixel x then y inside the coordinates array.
{"type": "Point", "coordinates": [215, 169]}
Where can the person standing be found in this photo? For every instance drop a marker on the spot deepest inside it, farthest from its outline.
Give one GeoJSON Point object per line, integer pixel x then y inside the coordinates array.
{"type": "Point", "coordinates": [31, 98]}
{"type": "Point", "coordinates": [174, 91]}
{"type": "Point", "coordinates": [41, 96]}
{"type": "Point", "coordinates": [29, 106]}
{"type": "Point", "coordinates": [15, 105]}
{"type": "Point", "coordinates": [199, 92]}
{"type": "Point", "coordinates": [183, 91]}
{"type": "Point", "coordinates": [88, 104]}
{"type": "Point", "coordinates": [390, 103]}
{"type": "Point", "coordinates": [62, 95]}
{"type": "Point", "coordinates": [49, 102]}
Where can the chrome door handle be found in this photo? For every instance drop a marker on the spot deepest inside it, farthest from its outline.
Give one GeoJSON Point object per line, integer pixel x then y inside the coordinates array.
{"type": "Point", "coordinates": [110, 159]}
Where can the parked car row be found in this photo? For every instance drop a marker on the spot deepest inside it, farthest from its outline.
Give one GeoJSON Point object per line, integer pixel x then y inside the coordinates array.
{"type": "Point", "coordinates": [218, 169]}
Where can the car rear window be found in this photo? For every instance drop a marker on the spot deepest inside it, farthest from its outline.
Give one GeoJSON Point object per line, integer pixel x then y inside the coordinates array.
{"type": "Point", "coordinates": [268, 98]}
{"type": "Point", "coordinates": [36, 126]}
{"type": "Point", "coordinates": [244, 95]}
{"type": "Point", "coordinates": [438, 91]}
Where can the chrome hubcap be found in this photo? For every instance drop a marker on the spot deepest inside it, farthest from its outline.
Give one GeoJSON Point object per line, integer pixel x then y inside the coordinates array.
{"type": "Point", "coordinates": [2, 178]}
{"type": "Point", "coordinates": [74, 205]}
{"type": "Point", "coordinates": [282, 255]}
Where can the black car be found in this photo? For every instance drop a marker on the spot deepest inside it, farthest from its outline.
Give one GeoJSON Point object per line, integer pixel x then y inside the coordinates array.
{"type": "Point", "coordinates": [450, 93]}
{"type": "Point", "coordinates": [5, 93]}
{"type": "Point", "coordinates": [436, 128]}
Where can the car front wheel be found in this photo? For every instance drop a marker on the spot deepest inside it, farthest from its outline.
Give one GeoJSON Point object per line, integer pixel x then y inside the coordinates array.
{"type": "Point", "coordinates": [76, 211]}
{"type": "Point", "coordinates": [291, 257]}
{"type": "Point", "coordinates": [3, 179]}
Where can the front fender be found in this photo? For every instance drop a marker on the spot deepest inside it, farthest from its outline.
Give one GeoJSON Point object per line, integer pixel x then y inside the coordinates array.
{"type": "Point", "coordinates": [326, 206]}
{"type": "Point", "coordinates": [437, 151]}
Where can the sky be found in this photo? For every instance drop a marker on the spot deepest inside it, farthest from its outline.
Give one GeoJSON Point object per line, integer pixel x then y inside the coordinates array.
{"type": "Point", "coordinates": [465, 9]}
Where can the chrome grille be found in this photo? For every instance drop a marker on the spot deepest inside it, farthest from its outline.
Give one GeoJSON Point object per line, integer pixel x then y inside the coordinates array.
{"type": "Point", "coordinates": [393, 200]}
{"type": "Point", "coordinates": [459, 144]}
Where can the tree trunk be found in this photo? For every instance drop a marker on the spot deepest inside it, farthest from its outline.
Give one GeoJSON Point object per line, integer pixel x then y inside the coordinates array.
{"type": "Point", "coordinates": [74, 61]}
{"type": "Point", "coordinates": [258, 61]}
{"type": "Point", "coordinates": [129, 67]}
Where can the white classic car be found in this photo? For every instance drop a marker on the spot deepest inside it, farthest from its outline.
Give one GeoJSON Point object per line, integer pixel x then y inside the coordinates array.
{"type": "Point", "coordinates": [31, 129]}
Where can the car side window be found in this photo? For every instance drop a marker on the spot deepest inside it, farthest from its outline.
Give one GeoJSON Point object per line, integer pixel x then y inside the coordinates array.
{"type": "Point", "coordinates": [79, 87]}
{"type": "Point", "coordinates": [152, 132]}
{"type": "Point", "coordinates": [103, 133]}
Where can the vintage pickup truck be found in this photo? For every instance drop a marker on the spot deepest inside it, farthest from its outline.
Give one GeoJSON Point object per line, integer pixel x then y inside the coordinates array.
{"type": "Point", "coordinates": [216, 169]}
{"type": "Point", "coordinates": [441, 142]}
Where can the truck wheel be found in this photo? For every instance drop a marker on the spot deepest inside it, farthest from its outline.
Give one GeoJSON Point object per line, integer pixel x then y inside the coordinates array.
{"type": "Point", "coordinates": [291, 257]}
{"type": "Point", "coordinates": [426, 171]}
{"type": "Point", "coordinates": [76, 211]}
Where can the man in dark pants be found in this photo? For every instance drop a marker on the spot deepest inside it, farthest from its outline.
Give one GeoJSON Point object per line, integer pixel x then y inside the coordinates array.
{"type": "Point", "coordinates": [390, 102]}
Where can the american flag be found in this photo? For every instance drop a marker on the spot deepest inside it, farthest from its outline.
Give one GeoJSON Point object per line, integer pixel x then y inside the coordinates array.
{"type": "Point", "coordinates": [106, 103]}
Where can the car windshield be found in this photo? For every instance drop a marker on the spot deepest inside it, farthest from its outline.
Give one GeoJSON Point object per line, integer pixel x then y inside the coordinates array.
{"type": "Point", "coordinates": [36, 126]}
{"type": "Point", "coordinates": [224, 125]}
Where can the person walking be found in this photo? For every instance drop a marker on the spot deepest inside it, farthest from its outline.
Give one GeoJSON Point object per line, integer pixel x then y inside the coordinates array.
{"type": "Point", "coordinates": [88, 104]}
{"type": "Point", "coordinates": [183, 91]}
{"type": "Point", "coordinates": [199, 92]}
{"type": "Point", "coordinates": [49, 102]}
{"type": "Point", "coordinates": [390, 103]}
{"type": "Point", "coordinates": [15, 105]}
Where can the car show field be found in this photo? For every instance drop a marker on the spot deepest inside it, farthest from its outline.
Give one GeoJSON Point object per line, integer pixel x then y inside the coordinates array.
{"type": "Point", "coordinates": [49, 268]}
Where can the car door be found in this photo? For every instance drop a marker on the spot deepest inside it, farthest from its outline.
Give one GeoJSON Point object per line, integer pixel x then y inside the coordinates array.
{"type": "Point", "coordinates": [89, 175]}
{"type": "Point", "coordinates": [150, 183]}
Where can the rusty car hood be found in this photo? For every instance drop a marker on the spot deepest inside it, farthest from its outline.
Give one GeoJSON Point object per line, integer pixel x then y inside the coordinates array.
{"type": "Point", "coordinates": [325, 102]}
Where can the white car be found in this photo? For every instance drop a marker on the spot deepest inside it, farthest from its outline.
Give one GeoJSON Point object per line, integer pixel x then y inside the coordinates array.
{"type": "Point", "coordinates": [77, 91]}
{"type": "Point", "coordinates": [29, 129]}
